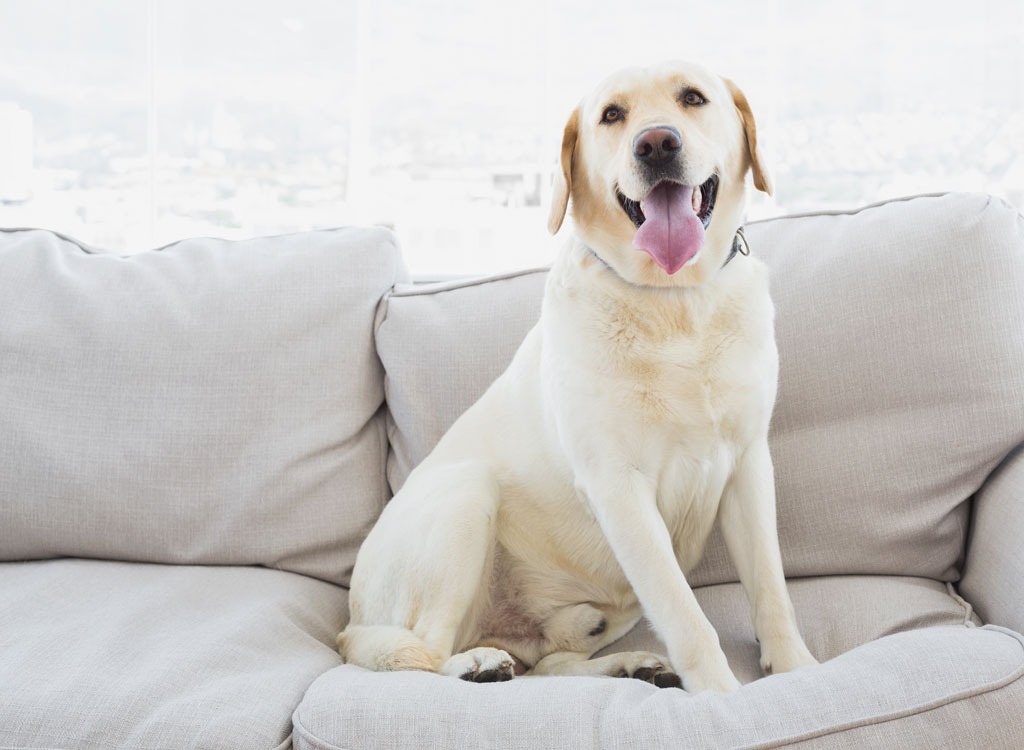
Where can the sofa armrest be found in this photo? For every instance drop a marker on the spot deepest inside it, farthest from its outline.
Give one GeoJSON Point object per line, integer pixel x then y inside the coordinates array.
{"type": "Point", "coordinates": [994, 570]}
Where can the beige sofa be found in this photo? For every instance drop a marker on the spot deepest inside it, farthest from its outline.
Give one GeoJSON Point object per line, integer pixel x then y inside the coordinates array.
{"type": "Point", "coordinates": [194, 440]}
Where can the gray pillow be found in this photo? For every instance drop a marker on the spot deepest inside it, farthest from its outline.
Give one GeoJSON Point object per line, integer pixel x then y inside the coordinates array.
{"type": "Point", "coordinates": [209, 402]}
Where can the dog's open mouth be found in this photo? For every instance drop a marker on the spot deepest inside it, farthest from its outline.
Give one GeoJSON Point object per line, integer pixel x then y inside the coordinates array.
{"type": "Point", "coordinates": [671, 220]}
{"type": "Point", "coordinates": [702, 201]}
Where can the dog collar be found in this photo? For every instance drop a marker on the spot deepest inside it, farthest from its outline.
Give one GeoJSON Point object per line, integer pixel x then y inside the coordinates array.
{"type": "Point", "coordinates": [739, 246]}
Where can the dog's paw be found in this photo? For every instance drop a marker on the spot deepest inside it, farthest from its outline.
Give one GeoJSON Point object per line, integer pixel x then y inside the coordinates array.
{"type": "Point", "coordinates": [785, 657]}
{"type": "Point", "coordinates": [482, 664]}
{"type": "Point", "coordinates": [710, 672]}
{"type": "Point", "coordinates": [659, 677]}
{"type": "Point", "coordinates": [640, 665]}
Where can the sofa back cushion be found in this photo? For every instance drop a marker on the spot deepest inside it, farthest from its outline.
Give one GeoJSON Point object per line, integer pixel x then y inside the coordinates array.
{"type": "Point", "coordinates": [901, 337]}
{"type": "Point", "coordinates": [442, 345]}
{"type": "Point", "coordinates": [210, 402]}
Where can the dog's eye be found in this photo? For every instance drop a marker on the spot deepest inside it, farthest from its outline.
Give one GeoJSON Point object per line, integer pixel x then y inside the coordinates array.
{"type": "Point", "coordinates": [693, 98]}
{"type": "Point", "coordinates": [612, 114]}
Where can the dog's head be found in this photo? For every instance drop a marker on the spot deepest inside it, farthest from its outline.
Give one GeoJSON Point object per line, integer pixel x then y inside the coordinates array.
{"type": "Point", "coordinates": [655, 161]}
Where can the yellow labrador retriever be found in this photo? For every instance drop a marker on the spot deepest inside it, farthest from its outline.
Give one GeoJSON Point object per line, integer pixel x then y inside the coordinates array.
{"type": "Point", "coordinates": [574, 496]}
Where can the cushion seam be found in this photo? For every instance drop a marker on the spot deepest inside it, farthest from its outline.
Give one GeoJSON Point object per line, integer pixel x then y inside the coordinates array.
{"type": "Point", "coordinates": [90, 249]}
{"type": "Point", "coordinates": [286, 744]}
{"type": "Point", "coordinates": [991, 687]}
{"type": "Point", "coordinates": [464, 282]}
{"type": "Point", "coordinates": [850, 211]}
{"type": "Point", "coordinates": [308, 736]}
{"type": "Point", "coordinates": [966, 606]}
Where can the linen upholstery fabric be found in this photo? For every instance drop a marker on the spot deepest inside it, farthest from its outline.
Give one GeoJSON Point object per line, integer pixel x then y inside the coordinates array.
{"type": "Point", "coordinates": [906, 689]}
{"type": "Point", "coordinates": [209, 402]}
{"type": "Point", "coordinates": [442, 345]}
{"type": "Point", "coordinates": [994, 573]}
{"type": "Point", "coordinates": [901, 338]}
{"type": "Point", "coordinates": [99, 654]}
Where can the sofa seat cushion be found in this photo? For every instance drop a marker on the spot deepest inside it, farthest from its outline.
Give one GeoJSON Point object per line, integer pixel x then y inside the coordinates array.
{"type": "Point", "coordinates": [209, 402]}
{"type": "Point", "coordinates": [99, 655]}
{"type": "Point", "coordinates": [836, 614]}
{"type": "Point", "coordinates": [950, 685]}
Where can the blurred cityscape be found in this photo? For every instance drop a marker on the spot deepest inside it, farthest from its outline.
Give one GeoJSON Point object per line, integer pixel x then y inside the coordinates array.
{"type": "Point", "coordinates": [136, 124]}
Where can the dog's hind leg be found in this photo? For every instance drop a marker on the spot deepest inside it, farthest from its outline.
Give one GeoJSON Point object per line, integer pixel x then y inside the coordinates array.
{"type": "Point", "coordinates": [422, 578]}
{"type": "Point", "coordinates": [386, 648]}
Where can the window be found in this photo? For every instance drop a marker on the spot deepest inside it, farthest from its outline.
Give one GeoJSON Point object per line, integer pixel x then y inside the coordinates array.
{"type": "Point", "coordinates": [131, 124]}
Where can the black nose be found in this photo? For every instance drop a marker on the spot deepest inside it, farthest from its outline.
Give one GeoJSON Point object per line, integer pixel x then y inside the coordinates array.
{"type": "Point", "coordinates": [657, 145]}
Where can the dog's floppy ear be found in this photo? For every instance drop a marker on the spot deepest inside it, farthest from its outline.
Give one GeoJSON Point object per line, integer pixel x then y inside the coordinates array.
{"type": "Point", "coordinates": [563, 178]}
{"type": "Point", "coordinates": [762, 180]}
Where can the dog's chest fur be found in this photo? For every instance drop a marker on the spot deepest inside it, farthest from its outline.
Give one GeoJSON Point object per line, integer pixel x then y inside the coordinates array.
{"type": "Point", "coordinates": [670, 371]}
{"type": "Point", "coordinates": [673, 385]}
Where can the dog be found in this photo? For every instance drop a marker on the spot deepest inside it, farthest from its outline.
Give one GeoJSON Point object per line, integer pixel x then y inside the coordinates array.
{"type": "Point", "coordinates": [571, 499]}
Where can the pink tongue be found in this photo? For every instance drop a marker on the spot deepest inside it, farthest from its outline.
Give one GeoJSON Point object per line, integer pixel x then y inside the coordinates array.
{"type": "Point", "coordinates": [671, 232]}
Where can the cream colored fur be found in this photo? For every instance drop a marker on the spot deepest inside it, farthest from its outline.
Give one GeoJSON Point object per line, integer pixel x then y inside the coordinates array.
{"type": "Point", "coordinates": [574, 496]}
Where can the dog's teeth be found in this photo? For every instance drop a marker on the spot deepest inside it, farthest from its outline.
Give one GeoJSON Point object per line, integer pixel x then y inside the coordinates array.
{"type": "Point", "coordinates": [698, 198]}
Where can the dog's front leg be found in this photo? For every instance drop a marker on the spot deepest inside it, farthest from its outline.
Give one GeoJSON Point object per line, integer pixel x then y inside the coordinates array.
{"type": "Point", "coordinates": [747, 515]}
{"type": "Point", "coordinates": [625, 506]}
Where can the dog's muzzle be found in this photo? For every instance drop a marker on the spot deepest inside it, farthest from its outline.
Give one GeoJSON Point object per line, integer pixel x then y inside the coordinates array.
{"type": "Point", "coordinates": [671, 218]}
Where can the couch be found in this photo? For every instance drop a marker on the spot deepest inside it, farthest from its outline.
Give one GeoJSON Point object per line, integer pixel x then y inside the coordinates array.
{"type": "Point", "coordinates": [194, 440]}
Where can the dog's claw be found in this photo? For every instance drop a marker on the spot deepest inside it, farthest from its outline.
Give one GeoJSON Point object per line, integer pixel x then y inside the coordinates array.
{"type": "Point", "coordinates": [644, 673]}
{"type": "Point", "coordinates": [657, 676]}
{"type": "Point", "coordinates": [489, 675]}
{"type": "Point", "coordinates": [668, 680]}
